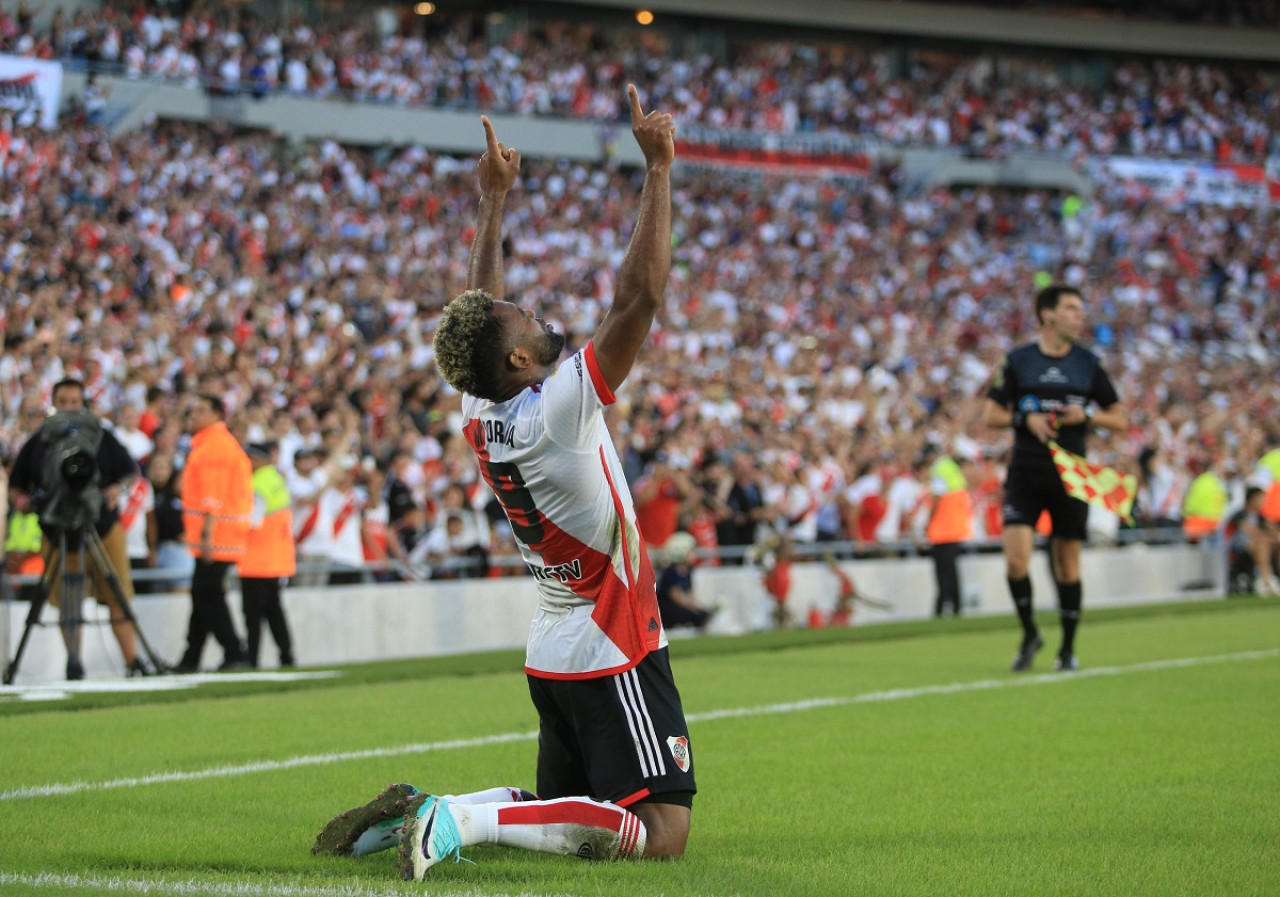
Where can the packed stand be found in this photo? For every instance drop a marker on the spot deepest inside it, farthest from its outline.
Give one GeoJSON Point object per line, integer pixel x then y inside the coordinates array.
{"type": "Point", "coordinates": [817, 336]}
{"type": "Point", "coordinates": [983, 104]}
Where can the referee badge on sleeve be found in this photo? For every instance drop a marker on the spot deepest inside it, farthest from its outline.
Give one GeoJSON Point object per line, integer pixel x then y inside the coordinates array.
{"type": "Point", "coordinates": [679, 746]}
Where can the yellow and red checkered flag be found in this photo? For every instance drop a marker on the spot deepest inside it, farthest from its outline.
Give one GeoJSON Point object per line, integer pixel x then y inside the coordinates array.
{"type": "Point", "coordinates": [1105, 487]}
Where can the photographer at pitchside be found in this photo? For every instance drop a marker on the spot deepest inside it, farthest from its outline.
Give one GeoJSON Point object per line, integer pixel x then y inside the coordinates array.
{"type": "Point", "coordinates": [31, 489]}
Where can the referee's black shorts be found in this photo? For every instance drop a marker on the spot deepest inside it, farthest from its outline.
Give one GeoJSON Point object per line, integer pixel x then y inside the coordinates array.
{"type": "Point", "coordinates": [619, 738]}
{"type": "Point", "coordinates": [1028, 493]}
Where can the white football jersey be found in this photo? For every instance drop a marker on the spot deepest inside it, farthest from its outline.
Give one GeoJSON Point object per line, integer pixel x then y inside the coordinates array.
{"type": "Point", "coordinates": [548, 457]}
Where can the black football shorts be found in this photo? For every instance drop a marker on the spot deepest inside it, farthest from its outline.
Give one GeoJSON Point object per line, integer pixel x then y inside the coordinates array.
{"type": "Point", "coordinates": [620, 738]}
{"type": "Point", "coordinates": [1028, 493]}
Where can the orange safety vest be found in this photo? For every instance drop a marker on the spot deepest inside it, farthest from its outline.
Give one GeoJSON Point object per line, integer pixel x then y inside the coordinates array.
{"type": "Point", "coordinates": [270, 552]}
{"type": "Point", "coordinates": [1202, 508]}
{"type": "Point", "coordinates": [1196, 526]}
{"type": "Point", "coordinates": [1271, 502]}
{"type": "Point", "coordinates": [952, 520]}
{"type": "Point", "coordinates": [217, 482]}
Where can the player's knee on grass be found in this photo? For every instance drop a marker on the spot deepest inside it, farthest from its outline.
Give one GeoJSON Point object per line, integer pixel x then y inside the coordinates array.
{"type": "Point", "coordinates": [666, 829]}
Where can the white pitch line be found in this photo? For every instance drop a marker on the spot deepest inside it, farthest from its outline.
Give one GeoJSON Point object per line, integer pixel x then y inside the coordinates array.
{"type": "Point", "coordinates": [60, 691]}
{"type": "Point", "coordinates": [900, 694]}
{"type": "Point", "coordinates": [218, 772]}
{"type": "Point", "coordinates": [99, 884]}
{"type": "Point", "coordinates": [897, 694]}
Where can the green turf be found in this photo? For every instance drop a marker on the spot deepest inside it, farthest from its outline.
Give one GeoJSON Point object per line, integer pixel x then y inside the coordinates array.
{"type": "Point", "coordinates": [1122, 780]}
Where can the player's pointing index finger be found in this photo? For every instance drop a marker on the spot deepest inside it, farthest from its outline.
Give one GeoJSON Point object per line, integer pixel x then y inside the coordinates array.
{"type": "Point", "coordinates": [490, 137]}
{"type": "Point", "coordinates": [637, 114]}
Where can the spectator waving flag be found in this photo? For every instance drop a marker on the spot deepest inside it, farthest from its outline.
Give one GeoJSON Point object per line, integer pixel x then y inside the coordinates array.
{"type": "Point", "coordinates": [1093, 483]}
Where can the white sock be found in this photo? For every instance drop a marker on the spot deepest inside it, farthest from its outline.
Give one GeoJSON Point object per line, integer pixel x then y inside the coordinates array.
{"type": "Point", "coordinates": [594, 830]}
{"type": "Point", "coordinates": [499, 795]}
{"type": "Point", "coordinates": [385, 833]}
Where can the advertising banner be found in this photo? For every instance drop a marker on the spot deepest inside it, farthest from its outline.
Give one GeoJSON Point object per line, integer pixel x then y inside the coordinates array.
{"type": "Point", "coordinates": [31, 89]}
{"type": "Point", "coordinates": [820, 155]}
{"type": "Point", "coordinates": [1199, 182]}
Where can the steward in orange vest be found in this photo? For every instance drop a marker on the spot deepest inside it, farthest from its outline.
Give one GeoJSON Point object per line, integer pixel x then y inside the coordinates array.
{"type": "Point", "coordinates": [952, 517]}
{"type": "Point", "coordinates": [1204, 505]}
{"type": "Point", "coordinates": [950, 526]}
{"type": "Point", "coordinates": [269, 557]}
{"type": "Point", "coordinates": [217, 504]}
{"type": "Point", "coordinates": [270, 550]}
{"type": "Point", "coordinates": [1270, 463]}
{"type": "Point", "coordinates": [217, 495]}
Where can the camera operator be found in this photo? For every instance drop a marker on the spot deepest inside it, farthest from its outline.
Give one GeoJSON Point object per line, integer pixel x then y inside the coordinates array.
{"type": "Point", "coordinates": [115, 468]}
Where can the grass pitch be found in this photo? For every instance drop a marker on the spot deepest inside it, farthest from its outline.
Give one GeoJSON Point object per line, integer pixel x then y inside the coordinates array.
{"type": "Point", "coordinates": [900, 759]}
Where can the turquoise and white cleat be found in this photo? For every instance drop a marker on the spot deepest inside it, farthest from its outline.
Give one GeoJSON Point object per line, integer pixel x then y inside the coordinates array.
{"type": "Point", "coordinates": [430, 835]}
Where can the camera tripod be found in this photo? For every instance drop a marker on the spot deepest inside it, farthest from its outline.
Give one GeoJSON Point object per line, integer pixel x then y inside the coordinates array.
{"type": "Point", "coordinates": [73, 595]}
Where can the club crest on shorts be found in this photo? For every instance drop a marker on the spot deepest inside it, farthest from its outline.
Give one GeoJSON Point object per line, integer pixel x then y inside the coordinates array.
{"type": "Point", "coordinates": [679, 746]}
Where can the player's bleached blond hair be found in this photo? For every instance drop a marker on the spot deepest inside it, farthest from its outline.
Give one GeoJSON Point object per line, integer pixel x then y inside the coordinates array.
{"type": "Point", "coordinates": [469, 344]}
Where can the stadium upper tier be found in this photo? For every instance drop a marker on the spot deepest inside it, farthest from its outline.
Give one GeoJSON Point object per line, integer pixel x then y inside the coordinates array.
{"type": "Point", "coordinates": [1201, 29]}
{"type": "Point", "coordinates": [898, 94]}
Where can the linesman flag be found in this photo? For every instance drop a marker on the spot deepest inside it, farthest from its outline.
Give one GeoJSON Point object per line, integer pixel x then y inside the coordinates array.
{"type": "Point", "coordinates": [1105, 487]}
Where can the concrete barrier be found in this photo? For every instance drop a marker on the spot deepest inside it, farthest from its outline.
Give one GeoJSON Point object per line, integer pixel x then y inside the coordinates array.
{"type": "Point", "coordinates": [1134, 574]}
{"type": "Point", "coordinates": [353, 624]}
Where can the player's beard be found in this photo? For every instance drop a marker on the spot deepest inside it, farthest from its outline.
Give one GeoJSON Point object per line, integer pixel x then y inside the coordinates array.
{"type": "Point", "coordinates": [550, 348]}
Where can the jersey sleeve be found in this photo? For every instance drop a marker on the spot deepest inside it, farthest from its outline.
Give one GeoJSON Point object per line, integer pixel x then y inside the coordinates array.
{"type": "Point", "coordinates": [573, 398]}
{"type": "Point", "coordinates": [1002, 387]}
{"type": "Point", "coordinates": [1104, 391]}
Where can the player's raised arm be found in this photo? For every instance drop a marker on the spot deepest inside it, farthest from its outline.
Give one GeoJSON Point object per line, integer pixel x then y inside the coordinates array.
{"type": "Point", "coordinates": [498, 168]}
{"type": "Point", "coordinates": [642, 277]}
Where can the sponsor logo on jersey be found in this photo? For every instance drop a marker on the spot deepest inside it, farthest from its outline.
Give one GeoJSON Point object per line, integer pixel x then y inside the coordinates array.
{"type": "Point", "coordinates": [679, 746]}
{"type": "Point", "coordinates": [1053, 375]}
{"type": "Point", "coordinates": [565, 573]}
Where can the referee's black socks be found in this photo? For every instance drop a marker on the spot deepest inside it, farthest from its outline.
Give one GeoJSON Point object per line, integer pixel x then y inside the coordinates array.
{"type": "Point", "coordinates": [1020, 589]}
{"type": "Point", "coordinates": [1069, 610]}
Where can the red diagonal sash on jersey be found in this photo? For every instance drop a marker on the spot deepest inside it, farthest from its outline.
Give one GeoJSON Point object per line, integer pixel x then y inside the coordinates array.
{"type": "Point", "coordinates": [137, 495]}
{"type": "Point", "coordinates": [345, 514]}
{"type": "Point", "coordinates": [624, 610]}
{"type": "Point", "coordinates": [1105, 487]}
{"type": "Point", "coordinates": [308, 525]}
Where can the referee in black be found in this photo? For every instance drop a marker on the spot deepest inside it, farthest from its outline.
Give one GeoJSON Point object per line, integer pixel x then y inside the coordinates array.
{"type": "Point", "coordinates": [1049, 389]}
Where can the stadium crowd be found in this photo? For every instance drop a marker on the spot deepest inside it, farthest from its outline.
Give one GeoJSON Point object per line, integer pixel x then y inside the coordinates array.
{"type": "Point", "coordinates": [985, 104]}
{"type": "Point", "coordinates": [817, 337]}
